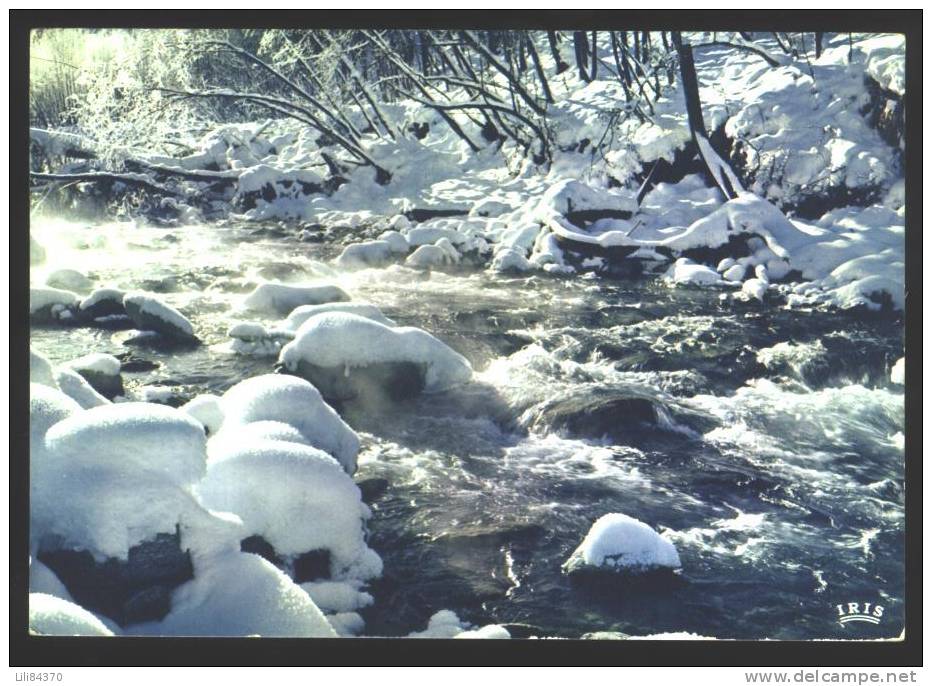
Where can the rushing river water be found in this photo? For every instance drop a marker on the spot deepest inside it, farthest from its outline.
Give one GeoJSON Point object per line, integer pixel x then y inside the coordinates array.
{"type": "Point", "coordinates": [768, 443]}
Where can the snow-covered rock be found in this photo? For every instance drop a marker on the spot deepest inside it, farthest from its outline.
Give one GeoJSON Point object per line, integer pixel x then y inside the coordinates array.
{"type": "Point", "coordinates": [619, 543]}
{"type": "Point", "coordinates": [734, 273]}
{"type": "Point", "coordinates": [685, 271]}
{"type": "Point", "coordinates": [754, 289]}
{"type": "Point", "coordinates": [301, 314]}
{"type": "Point", "coordinates": [70, 280]}
{"type": "Point", "coordinates": [47, 407]}
{"type": "Point", "coordinates": [53, 616]}
{"type": "Point", "coordinates": [52, 305]}
{"type": "Point", "coordinates": [103, 302]}
{"type": "Point", "coordinates": [439, 254]}
{"type": "Point", "coordinates": [40, 370]}
{"type": "Point", "coordinates": [396, 241]}
{"type": "Point", "coordinates": [239, 594]}
{"type": "Point", "coordinates": [150, 314]}
{"type": "Point", "coordinates": [294, 401]}
{"type": "Point", "coordinates": [577, 201]}
{"type": "Point", "coordinates": [345, 343]}
{"type": "Point", "coordinates": [365, 254]}
{"type": "Point", "coordinates": [101, 371]}
{"type": "Point", "coordinates": [295, 497]}
{"type": "Point", "coordinates": [898, 372]}
{"type": "Point", "coordinates": [206, 409]}
{"type": "Point", "coordinates": [510, 260]}
{"type": "Point", "coordinates": [282, 298]}
{"type": "Point", "coordinates": [75, 386]}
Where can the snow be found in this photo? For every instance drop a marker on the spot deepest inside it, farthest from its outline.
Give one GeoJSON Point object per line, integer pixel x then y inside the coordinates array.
{"type": "Point", "coordinates": [337, 596]}
{"type": "Point", "coordinates": [293, 401]}
{"type": "Point", "coordinates": [365, 254]}
{"type": "Point", "coordinates": [43, 580]}
{"type": "Point", "coordinates": [396, 241]}
{"type": "Point", "coordinates": [98, 363]}
{"type": "Point", "coordinates": [206, 409]}
{"type": "Point", "coordinates": [438, 255]}
{"type": "Point", "coordinates": [446, 624]}
{"type": "Point", "coordinates": [147, 436]}
{"type": "Point", "coordinates": [53, 616]}
{"type": "Point", "coordinates": [338, 339]}
{"type": "Point", "coordinates": [685, 271]}
{"type": "Point", "coordinates": [152, 307]}
{"type": "Point", "coordinates": [101, 295]}
{"type": "Point", "coordinates": [509, 259]}
{"type": "Point", "coordinates": [254, 599]}
{"type": "Point", "coordinates": [297, 498]}
{"type": "Point", "coordinates": [898, 372]}
{"type": "Point", "coordinates": [621, 543]}
{"type": "Point", "coordinates": [74, 385]}
{"type": "Point", "coordinates": [42, 298]}
{"type": "Point", "coordinates": [755, 288]}
{"type": "Point", "coordinates": [40, 370]}
{"type": "Point", "coordinates": [47, 407]}
{"type": "Point", "coordinates": [490, 631]}
{"type": "Point", "coordinates": [301, 314]}
{"type": "Point", "coordinates": [281, 298]}
{"type": "Point", "coordinates": [242, 434]}
{"type": "Point", "coordinates": [570, 195]}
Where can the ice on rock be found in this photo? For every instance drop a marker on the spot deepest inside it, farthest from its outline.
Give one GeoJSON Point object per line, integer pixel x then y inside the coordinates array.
{"type": "Point", "coordinates": [53, 616]}
{"type": "Point", "coordinates": [70, 280]}
{"type": "Point", "coordinates": [206, 409]}
{"type": "Point", "coordinates": [294, 401]}
{"type": "Point", "coordinates": [898, 372]}
{"type": "Point", "coordinates": [75, 386]}
{"type": "Point", "coordinates": [617, 542]}
{"type": "Point", "coordinates": [301, 314]}
{"type": "Point", "coordinates": [298, 499]}
{"type": "Point", "coordinates": [342, 340]}
{"type": "Point", "coordinates": [365, 254]}
{"type": "Point", "coordinates": [281, 298]}
{"type": "Point", "coordinates": [150, 314]}
{"type": "Point", "coordinates": [147, 436]}
{"type": "Point", "coordinates": [239, 594]}
{"type": "Point", "coordinates": [40, 370]}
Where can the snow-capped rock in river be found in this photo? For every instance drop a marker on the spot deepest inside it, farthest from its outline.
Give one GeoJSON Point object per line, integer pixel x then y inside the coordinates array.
{"type": "Point", "coordinates": [47, 407]}
{"type": "Point", "coordinates": [40, 370]}
{"type": "Point", "coordinates": [69, 279]}
{"type": "Point", "coordinates": [365, 254]}
{"type": "Point", "coordinates": [345, 355]}
{"type": "Point", "coordinates": [282, 298]}
{"type": "Point", "coordinates": [298, 499]}
{"type": "Point", "coordinates": [76, 386]}
{"type": "Point", "coordinates": [619, 543]}
{"type": "Point", "coordinates": [150, 314]}
{"type": "Point", "coordinates": [294, 401]}
{"type": "Point", "coordinates": [101, 371]}
{"type": "Point", "coordinates": [685, 271]}
{"type": "Point", "coordinates": [206, 409]}
{"type": "Point", "coordinates": [53, 616]}
{"type": "Point", "coordinates": [301, 314]}
{"type": "Point", "coordinates": [103, 302]}
{"type": "Point", "coordinates": [47, 305]}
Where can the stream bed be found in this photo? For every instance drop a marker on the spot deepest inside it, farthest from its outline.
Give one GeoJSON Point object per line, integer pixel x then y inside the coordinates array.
{"type": "Point", "coordinates": [767, 443]}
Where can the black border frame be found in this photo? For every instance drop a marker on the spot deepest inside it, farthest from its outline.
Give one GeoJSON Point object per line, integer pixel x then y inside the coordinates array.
{"type": "Point", "coordinates": [26, 650]}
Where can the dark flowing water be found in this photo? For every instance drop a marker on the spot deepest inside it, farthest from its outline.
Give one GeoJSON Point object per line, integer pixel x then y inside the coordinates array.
{"type": "Point", "coordinates": [765, 442]}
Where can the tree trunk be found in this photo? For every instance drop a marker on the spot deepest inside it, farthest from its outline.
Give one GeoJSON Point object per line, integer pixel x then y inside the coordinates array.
{"type": "Point", "coordinates": [594, 73]}
{"type": "Point", "coordinates": [690, 85]}
{"type": "Point", "coordinates": [581, 46]}
{"type": "Point", "coordinates": [561, 66]}
{"type": "Point", "coordinates": [818, 44]}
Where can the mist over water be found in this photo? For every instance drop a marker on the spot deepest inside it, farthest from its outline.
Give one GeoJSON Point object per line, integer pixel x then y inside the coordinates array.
{"type": "Point", "coordinates": [765, 442]}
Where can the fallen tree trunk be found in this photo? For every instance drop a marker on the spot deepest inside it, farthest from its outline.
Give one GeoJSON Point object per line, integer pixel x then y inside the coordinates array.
{"type": "Point", "coordinates": [101, 176]}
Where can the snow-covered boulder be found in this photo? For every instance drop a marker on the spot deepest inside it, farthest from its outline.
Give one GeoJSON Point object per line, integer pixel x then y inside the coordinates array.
{"type": "Point", "coordinates": [301, 314]}
{"type": "Point", "coordinates": [252, 338]}
{"type": "Point", "coordinates": [47, 407]}
{"type": "Point", "coordinates": [294, 401]}
{"type": "Point", "coordinates": [510, 260]}
{"type": "Point", "coordinates": [103, 302]}
{"type": "Point", "coordinates": [75, 386]}
{"type": "Point", "coordinates": [150, 314]}
{"type": "Point", "coordinates": [684, 271]}
{"type": "Point", "coordinates": [298, 499]}
{"type": "Point", "coordinates": [898, 372]}
{"type": "Point", "coordinates": [439, 254]}
{"type": "Point", "coordinates": [206, 409]}
{"type": "Point", "coordinates": [151, 437]}
{"type": "Point", "coordinates": [40, 370]}
{"type": "Point", "coordinates": [47, 305]}
{"type": "Point", "coordinates": [580, 203]}
{"type": "Point", "coordinates": [619, 543]}
{"type": "Point", "coordinates": [239, 594]}
{"type": "Point", "coordinates": [70, 280]}
{"type": "Point", "coordinates": [347, 356]}
{"type": "Point", "coordinates": [754, 289]}
{"type": "Point", "coordinates": [53, 616]}
{"type": "Point", "coordinates": [734, 273]}
{"type": "Point", "coordinates": [396, 241]}
{"type": "Point", "coordinates": [253, 432]}
{"type": "Point", "coordinates": [101, 371]}
{"type": "Point", "coordinates": [282, 298]}
{"type": "Point", "coordinates": [365, 254]}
